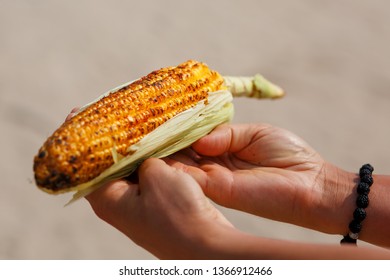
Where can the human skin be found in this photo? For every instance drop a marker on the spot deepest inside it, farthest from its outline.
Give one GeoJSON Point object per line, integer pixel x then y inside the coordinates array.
{"type": "Point", "coordinates": [258, 169]}
{"type": "Point", "coordinates": [270, 172]}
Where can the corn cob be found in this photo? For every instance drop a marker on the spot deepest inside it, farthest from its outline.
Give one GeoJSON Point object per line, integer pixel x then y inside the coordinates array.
{"type": "Point", "coordinates": [108, 138]}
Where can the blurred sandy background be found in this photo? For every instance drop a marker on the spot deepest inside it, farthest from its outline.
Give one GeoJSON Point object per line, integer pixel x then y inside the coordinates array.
{"type": "Point", "coordinates": [332, 57]}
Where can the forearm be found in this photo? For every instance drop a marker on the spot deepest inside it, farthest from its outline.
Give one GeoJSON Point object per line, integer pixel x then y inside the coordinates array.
{"type": "Point", "coordinates": [339, 201]}
{"type": "Point", "coordinates": [238, 245]}
{"type": "Point", "coordinates": [376, 227]}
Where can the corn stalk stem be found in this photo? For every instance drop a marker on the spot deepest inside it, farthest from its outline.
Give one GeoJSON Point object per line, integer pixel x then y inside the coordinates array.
{"type": "Point", "coordinates": [255, 87]}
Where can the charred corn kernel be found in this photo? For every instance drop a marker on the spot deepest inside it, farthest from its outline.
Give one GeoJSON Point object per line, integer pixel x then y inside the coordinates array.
{"type": "Point", "coordinates": [155, 116]}
{"type": "Point", "coordinates": [81, 148]}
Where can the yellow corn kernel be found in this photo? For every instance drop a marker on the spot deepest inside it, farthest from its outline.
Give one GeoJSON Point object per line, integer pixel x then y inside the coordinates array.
{"type": "Point", "coordinates": [81, 148]}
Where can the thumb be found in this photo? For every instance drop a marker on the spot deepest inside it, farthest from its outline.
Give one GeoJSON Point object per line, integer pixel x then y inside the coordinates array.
{"type": "Point", "coordinates": [158, 177]}
{"type": "Point", "coordinates": [112, 201]}
{"type": "Point", "coordinates": [191, 168]}
{"type": "Point", "coordinates": [227, 138]}
{"type": "Point", "coordinates": [215, 143]}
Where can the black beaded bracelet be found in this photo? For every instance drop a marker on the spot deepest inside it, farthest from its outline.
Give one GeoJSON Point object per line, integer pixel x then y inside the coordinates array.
{"type": "Point", "coordinates": [362, 201]}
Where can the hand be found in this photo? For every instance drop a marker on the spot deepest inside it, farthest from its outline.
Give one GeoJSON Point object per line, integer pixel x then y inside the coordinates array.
{"type": "Point", "coordinates": [166, 212]}
{"type": "Point", "coordinates": [270, 172]}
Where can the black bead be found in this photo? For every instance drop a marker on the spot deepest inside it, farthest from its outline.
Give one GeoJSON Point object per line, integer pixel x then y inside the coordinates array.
{"type": "Point", "coordinates": [348, 240]}
{"type": "Point", "coordinates": [362, 201]}
{"type": "Point", "coordinates": [365, 172]}
{"type": "Point", "coordinates": [359, 214]}
{"type": "Point", "coordinates": [355, 226]}
{"type": "Point", "coordinates": [363, 188]}
{"type": "Point", "coordinates": [368, 167]}
{"type": "Point", "coordinates": [367, 179]}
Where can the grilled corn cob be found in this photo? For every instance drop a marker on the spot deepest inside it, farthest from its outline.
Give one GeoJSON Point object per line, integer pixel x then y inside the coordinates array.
{"type": "Point", "coordinates": [109, 137]}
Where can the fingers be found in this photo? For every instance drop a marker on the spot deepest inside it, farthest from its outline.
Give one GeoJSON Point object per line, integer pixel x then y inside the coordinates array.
{"type": "Point", "coordinates": [161, 179]}
{"type": "Point", "coordinates": [155, 176]}
{"type": "Point", "coordinates": [151, 172]}
{"type": "Point", "coordinates": [227, 138]}
{"type": "Point", "coordinates": [113, 191]}
{"type": "Point", "coordinates": [188, 166]}
{"type": "Point", "coordinates": [72, 113]}
{"type": "Point", "coordinates": [110, 201]}
{"type": "Point", "coordinates": [216, 143]}
{"type": "Point", "coordinates": [167, 180]}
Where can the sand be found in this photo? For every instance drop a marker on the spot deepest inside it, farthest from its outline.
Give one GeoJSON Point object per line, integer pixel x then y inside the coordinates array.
{"type": "Point", "coordinates": [331, 57]}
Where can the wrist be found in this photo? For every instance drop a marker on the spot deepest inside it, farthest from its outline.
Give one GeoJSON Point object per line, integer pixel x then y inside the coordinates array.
{"type": "Point", "coordinates": [337, 199]}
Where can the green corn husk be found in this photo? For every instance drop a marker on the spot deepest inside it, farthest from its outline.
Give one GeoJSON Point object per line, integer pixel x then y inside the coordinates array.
{"type": "Point", "coordinates": [172, 136]}
{"type": "Point", "coordinates": [182, 130]}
